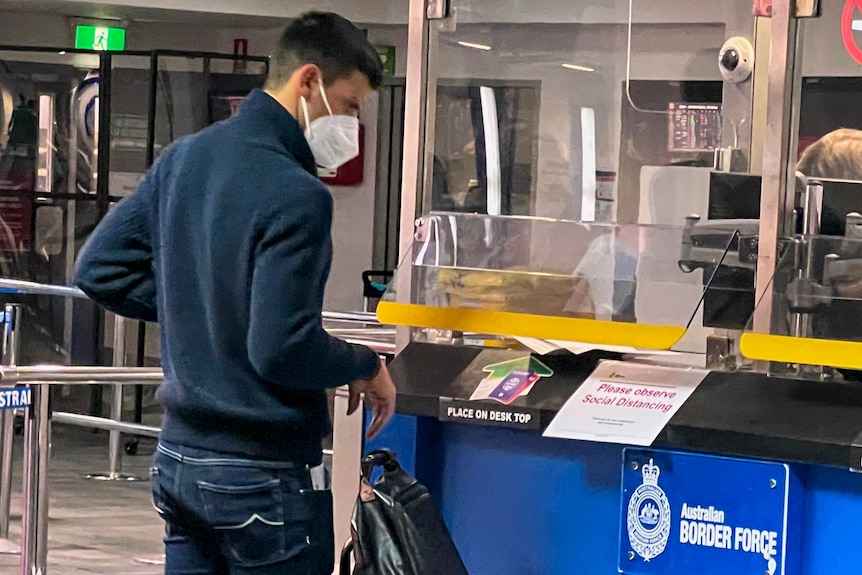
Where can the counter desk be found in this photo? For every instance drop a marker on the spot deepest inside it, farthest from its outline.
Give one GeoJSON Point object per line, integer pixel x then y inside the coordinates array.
{"type": "Point", "coordinates": [518, 503]}
{"type": "Point", "coordinates": [746, 470]}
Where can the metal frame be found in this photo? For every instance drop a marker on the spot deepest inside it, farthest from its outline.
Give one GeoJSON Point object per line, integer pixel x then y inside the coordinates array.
{"type": "Point", "coordinates": [10, 348]}
{"type": "Point", "coordinates": [418, 106]}
{"type": "Point", "coordinates": [777, 198]}
{"type": "Point", "coordinates": [37, 439]}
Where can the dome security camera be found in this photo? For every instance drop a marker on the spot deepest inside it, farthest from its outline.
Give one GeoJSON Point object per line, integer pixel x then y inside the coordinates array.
{"type": "Point", "coordinates": [736, 60]}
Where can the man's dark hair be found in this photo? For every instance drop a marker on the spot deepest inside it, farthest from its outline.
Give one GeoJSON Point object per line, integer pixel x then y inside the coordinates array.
{"type": "Point", "coordinates": [330, 42]}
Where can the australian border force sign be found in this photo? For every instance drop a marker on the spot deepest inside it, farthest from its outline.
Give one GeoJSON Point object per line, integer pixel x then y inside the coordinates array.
{"type": "Point", "coordinates": [684, 513]}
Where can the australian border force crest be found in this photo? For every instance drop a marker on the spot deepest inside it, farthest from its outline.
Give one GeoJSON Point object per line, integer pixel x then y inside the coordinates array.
{"type": "Point", "coordinates": [648, 518]}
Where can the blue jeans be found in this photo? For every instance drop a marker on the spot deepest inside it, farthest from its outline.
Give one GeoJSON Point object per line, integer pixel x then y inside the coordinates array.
{"type": "Point", "coordinates": [229, 516]}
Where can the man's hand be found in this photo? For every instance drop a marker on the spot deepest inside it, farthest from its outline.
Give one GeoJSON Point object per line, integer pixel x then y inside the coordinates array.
{"type": "Point", "coordinates": [380, 391]}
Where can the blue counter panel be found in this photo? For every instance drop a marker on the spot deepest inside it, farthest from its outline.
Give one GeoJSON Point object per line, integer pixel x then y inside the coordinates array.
{"type": "Point", "coordinates": [520, 504]}
{"type": "Point", "coordinates": [832, 528]}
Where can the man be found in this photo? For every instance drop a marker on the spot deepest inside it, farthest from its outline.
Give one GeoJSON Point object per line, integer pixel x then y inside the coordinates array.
{"type": "Point", "coordinates": [837, 156]}
{"type": "Point", "coordinates": [227, 245]}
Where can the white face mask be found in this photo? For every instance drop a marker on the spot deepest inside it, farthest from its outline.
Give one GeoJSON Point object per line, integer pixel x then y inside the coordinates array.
{"type": "Point", "coordinates": [334, 140]}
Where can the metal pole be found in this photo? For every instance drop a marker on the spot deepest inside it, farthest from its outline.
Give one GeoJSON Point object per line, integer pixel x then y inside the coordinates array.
{"type": "Point", "coordinates": [91, 422]}
{"type": "Point", "coordinates": [115, 445]}
{"type": "Point", "coordinates": [34, 523]}
{"type": "Point", "coordinates": [76, 375]}
{"type": "Point", "coordinates": [813, 206]}
{"type": "Point", "coordinates": [10, 344]}
{"type": "Point", "coordinates": [777, 194]}
{"type": "Point", "coordinates": [114, 438]}
{"type": "Point", "coordinates": [412, 169]}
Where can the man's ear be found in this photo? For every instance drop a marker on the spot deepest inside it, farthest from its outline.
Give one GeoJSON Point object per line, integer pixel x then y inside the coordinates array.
{"type": "Point", "coordinates": [306, 79]}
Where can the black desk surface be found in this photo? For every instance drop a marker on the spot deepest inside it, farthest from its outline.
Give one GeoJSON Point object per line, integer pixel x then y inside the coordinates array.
{"type": "Point", "coordinates": [737, 414]}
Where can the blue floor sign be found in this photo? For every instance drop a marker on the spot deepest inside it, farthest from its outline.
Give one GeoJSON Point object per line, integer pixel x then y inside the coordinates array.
{"type": "Point", "coordinates": [14, 397]}
{"type": "Point", "coordinates": [684, 513]}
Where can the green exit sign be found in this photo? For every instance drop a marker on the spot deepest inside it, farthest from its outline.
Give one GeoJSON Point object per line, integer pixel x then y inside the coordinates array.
{"type": "Point", "coordinates": [387, 56]}
{"type": "Point", "coordinates": [100, 38]}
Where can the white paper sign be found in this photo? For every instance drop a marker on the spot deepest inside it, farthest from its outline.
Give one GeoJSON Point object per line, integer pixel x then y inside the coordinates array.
{"type": "Point", "coordinates": [624, 402]}
{"type": "Point", "coordinates": [543, 347]}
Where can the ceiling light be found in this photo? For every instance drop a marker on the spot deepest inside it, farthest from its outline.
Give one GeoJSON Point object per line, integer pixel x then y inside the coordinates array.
{"type": "Point", "coordinates": [474, 46]}
{"type": "Point", "coordinates": [578, 68]}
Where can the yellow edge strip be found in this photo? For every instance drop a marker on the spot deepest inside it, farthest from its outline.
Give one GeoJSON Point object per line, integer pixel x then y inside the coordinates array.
{"type": "Point", "coordinates": [806, 351]}
{"type": "Point", "coordinates": [527, 325]}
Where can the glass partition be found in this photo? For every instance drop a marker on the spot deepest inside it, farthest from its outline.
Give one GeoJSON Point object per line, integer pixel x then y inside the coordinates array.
{"type": "Point", "coordinates": [618, 285]}
{"type": "Point", "coordinates": [816, 298]}
{"type": "Point", "coordinates": [826, 154]}
{"type": "Point", "coordinates": [594, 112]}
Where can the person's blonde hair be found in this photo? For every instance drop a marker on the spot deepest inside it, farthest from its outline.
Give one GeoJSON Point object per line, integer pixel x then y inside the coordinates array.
{"type": "Point", "coordinates": [836, 156]}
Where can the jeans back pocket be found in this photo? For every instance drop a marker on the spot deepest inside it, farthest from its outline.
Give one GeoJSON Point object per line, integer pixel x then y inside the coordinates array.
{"type": "Point", "coordinates": [248, 517]}
{"type": "Point", "coordinates": [265, 517]}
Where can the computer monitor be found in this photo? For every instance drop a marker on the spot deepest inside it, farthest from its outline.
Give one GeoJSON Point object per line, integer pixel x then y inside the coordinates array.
{"type": "Point", "coordinates": [840, 197]}
{"type": "Point", "coordinates": [734, 196]}
{"type": "Point", "coordinates": [737, 197]}
{"type": "Point", "coordinates": [694, 127]}
{"type": "Point", "coordinates": [729, 300]}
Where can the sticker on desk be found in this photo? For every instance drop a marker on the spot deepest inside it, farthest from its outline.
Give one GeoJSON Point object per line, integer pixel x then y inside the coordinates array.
{"type": "Point", "coordinates": [15, 398]}
{"type": "Point", "coordinates": [623, 402]}
{"type": "Point", "coordinates": [461, 411]}
{"type": "Point", "coordinates": [509, 380]}
{"type": "Point", "coordinates": [687, 513]}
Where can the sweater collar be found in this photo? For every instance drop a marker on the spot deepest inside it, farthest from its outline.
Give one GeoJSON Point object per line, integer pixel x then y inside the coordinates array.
{"type": "Point", "coordinates": [273, 122]}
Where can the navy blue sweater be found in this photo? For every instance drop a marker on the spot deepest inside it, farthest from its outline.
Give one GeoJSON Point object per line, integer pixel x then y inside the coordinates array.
{"type": "Point", "coordinates": [227, 245]}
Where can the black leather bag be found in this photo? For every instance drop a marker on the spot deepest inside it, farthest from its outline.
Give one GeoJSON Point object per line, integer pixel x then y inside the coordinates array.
{"type": "Point", "coordinates": [397, 529]}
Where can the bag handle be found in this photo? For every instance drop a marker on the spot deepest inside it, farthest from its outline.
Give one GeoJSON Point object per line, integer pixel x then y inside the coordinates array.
{"type": "Point", "coordinates": [379, 458]}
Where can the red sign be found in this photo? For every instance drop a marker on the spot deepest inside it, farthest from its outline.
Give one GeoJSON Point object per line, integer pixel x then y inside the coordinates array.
{"type": "Point", "coordinates": [353, 172]}
{"type": "Point", "coordinates": [16, 223]}
{"type": "Point", "coordinates": [852, 13]}
{"type": "Point", "coordinates": [763, 8]}
{"type": "Point", "coordinates": [240, 48]}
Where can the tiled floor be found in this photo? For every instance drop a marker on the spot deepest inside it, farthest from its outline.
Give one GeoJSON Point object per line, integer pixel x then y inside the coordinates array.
{"type": "Point", "coordinates": [95, 527]}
